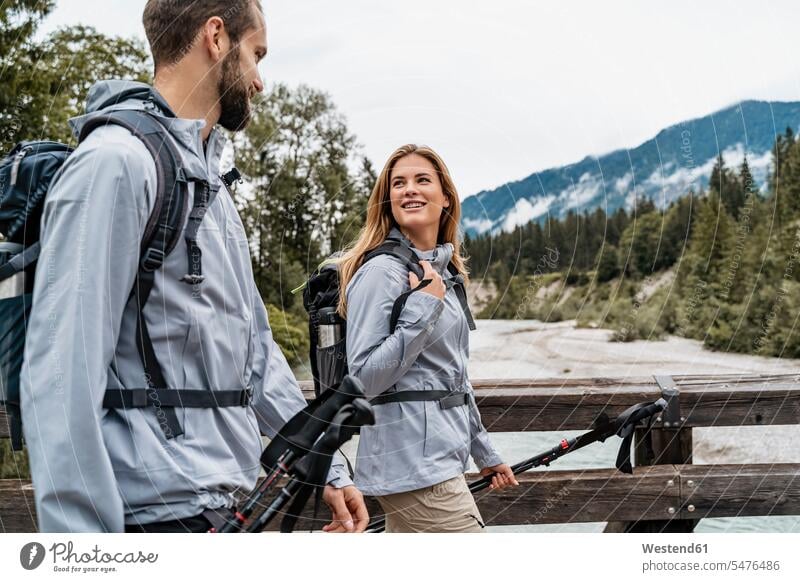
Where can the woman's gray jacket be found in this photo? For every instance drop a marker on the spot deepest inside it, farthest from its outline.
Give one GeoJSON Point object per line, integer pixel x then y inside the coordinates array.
{"type": "Point", "coordinates": [412, 444]}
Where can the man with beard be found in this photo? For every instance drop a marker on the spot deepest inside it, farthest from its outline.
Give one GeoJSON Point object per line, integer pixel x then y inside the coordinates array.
{"type": "Point", "coordinates": [148, 467]}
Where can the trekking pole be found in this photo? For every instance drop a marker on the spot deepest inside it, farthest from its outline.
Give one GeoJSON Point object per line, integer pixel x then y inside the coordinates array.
{"type": "Point", "coordinates": [622, 425]}
{"type": "Point", "coordinates": [296, 439]}
{"type": "Point", "coordinates": [629, 418]}
{"type": "Point", "coordinates": [312, 470]}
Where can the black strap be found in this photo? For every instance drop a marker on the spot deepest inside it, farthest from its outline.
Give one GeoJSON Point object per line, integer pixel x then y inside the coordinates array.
{"type": "Point", "coordinates": [400, 303]}
{"type": "Point", "coordinates": [231, 176]}
{"type": "Point", "coordinates": [461, 294]}
{"type": "Point", "coordinates": [446, 398]}
{"type": "Point", "coordinates": [203, 197]}
{"type": "Point", "coordinates": [20, 261]}
{"type": "Point", "coordinates": [161, 234]}
{"type": "Point", "coordinates": [173, 398]}
{"type": "Point", "coordinates": [627, 431]}
{"type": "Point", "coordinates": [153, 375]}
{"type": "Point", "coordinates": [399, 249]}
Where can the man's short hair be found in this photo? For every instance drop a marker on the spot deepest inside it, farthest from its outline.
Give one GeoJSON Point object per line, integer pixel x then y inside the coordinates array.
{"type": "Point", "coordinates": [171, 26]}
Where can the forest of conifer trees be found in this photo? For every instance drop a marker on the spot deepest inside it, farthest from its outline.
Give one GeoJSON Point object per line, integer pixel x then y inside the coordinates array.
{"type": "Point", "coordinates": [720, 266]}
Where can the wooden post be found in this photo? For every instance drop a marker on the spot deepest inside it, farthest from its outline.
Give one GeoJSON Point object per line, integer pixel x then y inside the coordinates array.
{"type": "Point", "coordinates": [668, 442]}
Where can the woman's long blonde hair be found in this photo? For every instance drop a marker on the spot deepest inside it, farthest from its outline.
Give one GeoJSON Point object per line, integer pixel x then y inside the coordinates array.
{"type": "Point", "coordinates": [380, 220]}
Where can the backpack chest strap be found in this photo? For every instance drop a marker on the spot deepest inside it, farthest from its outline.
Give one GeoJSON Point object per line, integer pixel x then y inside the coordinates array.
{"type": "Point", "coordinates": [174, 398]}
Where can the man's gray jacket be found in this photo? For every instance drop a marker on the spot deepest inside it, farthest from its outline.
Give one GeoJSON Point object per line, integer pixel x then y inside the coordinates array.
{"type": "Point", "coordinates": [96, 469]}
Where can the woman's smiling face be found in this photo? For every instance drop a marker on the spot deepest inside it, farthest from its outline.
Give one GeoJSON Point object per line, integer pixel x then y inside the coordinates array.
{"type": "Point", "coordinates": [416, 195]}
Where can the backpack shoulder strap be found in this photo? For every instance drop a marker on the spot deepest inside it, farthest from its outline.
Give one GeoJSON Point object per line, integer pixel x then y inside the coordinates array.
{"type": "Point", "coordinates": [161, 234]}
{"type": "Point", "coordinates": [164, 226]}
{"type": "Point", "coordinates": [461, 294]}
{"type": "Point", "coordinates": [399, 249]}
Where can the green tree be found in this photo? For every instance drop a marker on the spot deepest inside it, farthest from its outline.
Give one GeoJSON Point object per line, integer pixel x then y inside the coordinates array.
{"type": "Point", "coordinates": [701, 276]}
{"type": "Point", "coordinates": [607, 263]}
{"type": "Point", "coordinates": [305, 199]}
{"type": "Point", "coordinates": [726, 185]}
{"type": "Point", "coordinates": [46, 82]}
{"type": "Point", "coordinates": [640, 245]}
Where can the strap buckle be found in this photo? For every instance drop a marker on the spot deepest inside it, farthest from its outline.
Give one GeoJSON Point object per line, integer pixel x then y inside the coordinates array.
{"type": "Point", "coordinates": [153, 259]}
{"type": "Point", "coordinates": [245, 397]}
{"type": "Point", "coordinates": [190, 279]}
{"type": "Point", "coordinates": [457, 399]}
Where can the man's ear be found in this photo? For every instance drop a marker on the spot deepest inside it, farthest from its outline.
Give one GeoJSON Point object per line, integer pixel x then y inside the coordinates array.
{"type": "Point", "coordinates": [215, 38]}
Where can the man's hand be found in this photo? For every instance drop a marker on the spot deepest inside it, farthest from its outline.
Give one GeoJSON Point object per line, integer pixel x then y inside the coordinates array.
{"type": "Point", "coordinates": [503, 476]}
{"type": "Point", "coordinates": [347, 508]}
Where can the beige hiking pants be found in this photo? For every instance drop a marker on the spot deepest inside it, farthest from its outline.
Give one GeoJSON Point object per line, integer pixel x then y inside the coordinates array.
{"type": "Point", "coordinates": [446, 507]}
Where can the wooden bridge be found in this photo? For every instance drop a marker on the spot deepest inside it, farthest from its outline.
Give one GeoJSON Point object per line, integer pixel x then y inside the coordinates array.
{"type": "Point", "coordinates": [666, 492]}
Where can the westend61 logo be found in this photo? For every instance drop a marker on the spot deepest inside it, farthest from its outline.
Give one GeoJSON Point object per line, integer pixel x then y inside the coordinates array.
{"type": "Point", "coordinates": [66, 559]}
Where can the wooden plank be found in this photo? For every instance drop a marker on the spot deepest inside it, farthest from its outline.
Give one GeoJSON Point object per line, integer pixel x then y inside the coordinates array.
{"type": "Point", "coordinates": [660, 492]}
{"type": "Point", "coordinates": [740, 490]}
{"type": "Point", "coordinates": [583, 496]}
{"type": "Point", "coordinates": [17, 508]}
{"type": "Point", "coordinates": [514, 405]}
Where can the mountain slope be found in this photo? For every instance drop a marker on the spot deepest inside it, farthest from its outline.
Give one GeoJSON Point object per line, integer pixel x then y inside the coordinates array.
{"type": "Point", "coordinates": [662, 169]}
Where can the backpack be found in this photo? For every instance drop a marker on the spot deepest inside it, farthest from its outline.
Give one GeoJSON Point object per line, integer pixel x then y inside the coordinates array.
{"type": "Point", "coordinates": [26, 174]}
{"type": "Point", "coordinates": [327, 329]}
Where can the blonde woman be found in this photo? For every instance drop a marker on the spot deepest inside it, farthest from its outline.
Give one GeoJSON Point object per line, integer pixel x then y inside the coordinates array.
{"type": "Point", "coordinates": [427, 423]}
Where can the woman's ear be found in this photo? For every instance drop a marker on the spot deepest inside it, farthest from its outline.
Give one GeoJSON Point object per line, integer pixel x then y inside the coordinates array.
{"type": "Point", "coordinates": [446, 201]}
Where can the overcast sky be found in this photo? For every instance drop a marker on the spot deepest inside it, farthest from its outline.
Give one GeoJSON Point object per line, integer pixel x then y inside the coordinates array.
{"type": "Point", "coordinates": [505, 88]}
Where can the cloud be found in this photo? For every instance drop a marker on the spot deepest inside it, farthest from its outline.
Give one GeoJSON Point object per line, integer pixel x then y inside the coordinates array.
{"type": "Point", "coordinates": [523, 211]}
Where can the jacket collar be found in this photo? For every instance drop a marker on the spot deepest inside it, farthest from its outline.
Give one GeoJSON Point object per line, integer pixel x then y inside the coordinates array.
{"type": "Point", "coordinates": [438, 257]}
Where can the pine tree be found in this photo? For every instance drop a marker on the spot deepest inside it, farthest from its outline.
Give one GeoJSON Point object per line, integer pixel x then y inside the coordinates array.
{"type": "Point", "coordinates": [607, 263]}
{"type": "Point", "coordinates": [726, 185]}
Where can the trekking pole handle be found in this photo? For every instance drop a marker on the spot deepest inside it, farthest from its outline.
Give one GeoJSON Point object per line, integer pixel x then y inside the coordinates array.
{"type": "Point", "coordinates": [342, 427]}
{"type": "Point", "coordinates": [646, 411]}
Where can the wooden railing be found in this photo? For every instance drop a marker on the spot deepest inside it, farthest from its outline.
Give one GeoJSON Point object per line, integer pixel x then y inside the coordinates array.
{"type": "Point", "coordinates": [664, 493]}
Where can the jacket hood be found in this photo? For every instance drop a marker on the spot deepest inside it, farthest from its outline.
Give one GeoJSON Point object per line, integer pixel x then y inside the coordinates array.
{"type": "Point", "coordinates": [114, 94]}
{"type": "Point", "coordinates": [117, 94]}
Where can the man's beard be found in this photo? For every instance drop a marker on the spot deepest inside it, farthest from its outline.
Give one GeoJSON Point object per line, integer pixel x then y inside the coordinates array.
{"type": "Point", "coordinates": [234, 96]}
